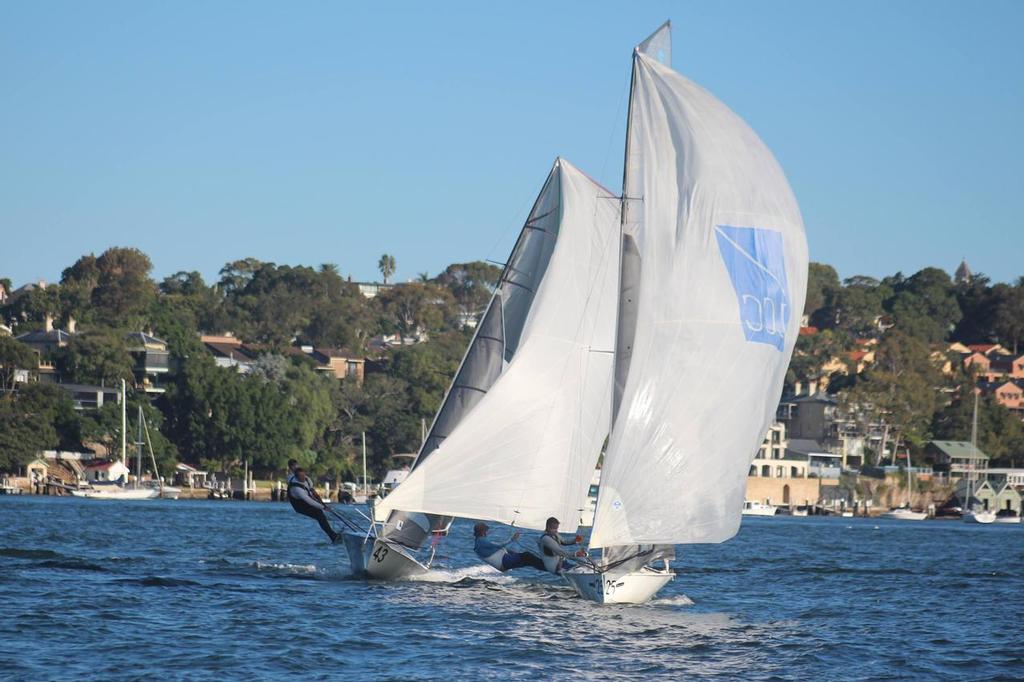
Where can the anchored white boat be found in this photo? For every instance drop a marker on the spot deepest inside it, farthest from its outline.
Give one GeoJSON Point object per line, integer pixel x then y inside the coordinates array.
{"type": "Point", "coordinates": [978, 516]}
{"type": "Point", "coordinates": [713, 272]}
{"type": "Point", "coordinates": [972, 513]}
{"type": "Point", "coordinates": [755, 508]}
{"type": "Point", "coordinates": [904, 514]}
{"type": "Point", "coordinates": [118, 490]}
{"type": "Point", "coordinates": [520, 430]}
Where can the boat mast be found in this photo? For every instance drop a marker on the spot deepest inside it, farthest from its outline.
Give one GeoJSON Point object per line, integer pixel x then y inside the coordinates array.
{"type": "Point", "coordinates": [364, 464]}
{"type": "Point", "coordinates": [974, 454]}
{"type": "Point", "coordinates": [124, 425]}
{"type": "Point", "coordinates": [138, 453]}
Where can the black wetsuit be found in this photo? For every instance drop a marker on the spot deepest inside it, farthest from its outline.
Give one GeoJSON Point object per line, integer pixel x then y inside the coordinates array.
{"type": "Point", "coordinates": [303, 502]}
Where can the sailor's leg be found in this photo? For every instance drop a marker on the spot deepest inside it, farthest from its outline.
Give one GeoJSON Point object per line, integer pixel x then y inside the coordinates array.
{"type": "Point", "coordinates": [319, 516]}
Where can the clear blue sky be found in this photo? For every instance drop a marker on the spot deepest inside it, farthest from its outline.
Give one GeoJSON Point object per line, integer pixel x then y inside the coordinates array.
{"type": "Point", "coordinates": [312, 132]}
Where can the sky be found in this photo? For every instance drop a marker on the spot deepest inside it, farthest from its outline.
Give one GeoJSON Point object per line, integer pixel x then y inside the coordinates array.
{"type": "Point", "coordinates": [324, 132]}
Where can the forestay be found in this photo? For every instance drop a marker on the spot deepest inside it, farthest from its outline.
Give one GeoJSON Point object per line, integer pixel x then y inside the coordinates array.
{"type": "Point", "coordinates": [717, 285]}
{"type": "Point", "coordinates": [526, 449]}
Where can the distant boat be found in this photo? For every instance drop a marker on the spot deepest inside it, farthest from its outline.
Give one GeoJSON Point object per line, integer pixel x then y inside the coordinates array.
{"type": "Point", "coordinates": [904, 514]}
{"type": "Point", "coordinates": [117, 490]}
{"type": "Point", "coordinates": [1004, 517]}
{"type": "Point", "coordinates": [754, 508]}
{"type": "Point", "coordinates": [972, 514]}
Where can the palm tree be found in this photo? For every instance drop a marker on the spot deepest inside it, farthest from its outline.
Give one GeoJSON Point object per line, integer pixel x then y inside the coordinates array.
{"type": "Point", "coordinates": [386, 265]}
{"type": "Point", "coordinates": [423, 277]}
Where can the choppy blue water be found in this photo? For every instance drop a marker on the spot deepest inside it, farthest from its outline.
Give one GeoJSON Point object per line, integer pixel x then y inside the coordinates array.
{"type": "Point", "coordinates": [175, 589]}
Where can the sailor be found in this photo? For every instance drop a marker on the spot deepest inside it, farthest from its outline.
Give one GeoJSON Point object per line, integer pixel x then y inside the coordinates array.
{"type": "Point", "coordinates": [551, 544]}
{"type": "Point", "coordinates": [304, 500]}
{"type": "Point", "coordinates": [498, 556]}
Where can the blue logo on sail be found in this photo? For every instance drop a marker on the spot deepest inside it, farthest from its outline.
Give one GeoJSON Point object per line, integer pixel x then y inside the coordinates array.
{"type": "Point", "coordinates": [754, 258]}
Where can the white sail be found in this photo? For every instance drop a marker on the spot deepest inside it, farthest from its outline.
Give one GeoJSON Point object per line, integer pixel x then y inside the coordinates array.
{"type": "Point", "coordinates": [527, 449]}
{"type": "Point", "coordinates": [712, 297]}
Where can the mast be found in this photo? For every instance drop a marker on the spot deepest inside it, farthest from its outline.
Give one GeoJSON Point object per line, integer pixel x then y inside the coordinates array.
{"type": "Point", "coordinates": [974, 454]}
{"type": "Point", "coordinates": [364, 463]}
{"type": "Point", "coordinates": [124, 425]}
{"type": "Point", "coordinates": [138, 453]}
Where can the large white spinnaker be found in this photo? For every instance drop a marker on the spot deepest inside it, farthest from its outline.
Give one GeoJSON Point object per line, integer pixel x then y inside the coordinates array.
{"type": "Point", "coordinates": [713, 295]}
{"type": "Point", "coordinates": [527, 448]}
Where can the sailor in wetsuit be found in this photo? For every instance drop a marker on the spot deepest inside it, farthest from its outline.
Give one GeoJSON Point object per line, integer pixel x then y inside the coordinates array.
{"type": "Point", "coordinates": [498, 556]}
{"type": "Point", "coordinates": [305, 500]}
{"type": "Point", "coordinates": [551, 544]}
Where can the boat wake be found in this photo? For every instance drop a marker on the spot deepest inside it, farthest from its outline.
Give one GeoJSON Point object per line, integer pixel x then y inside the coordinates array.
{"type": "Point", "coordinates": [677, 600]}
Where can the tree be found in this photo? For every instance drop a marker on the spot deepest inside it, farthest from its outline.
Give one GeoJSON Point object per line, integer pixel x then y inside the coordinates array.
{"type": "Point", "coordinates": [413, 308]}
{"type": "Point", "coordinates": [822, 286]}
{"type": "Point", "coordinates": [1000, 433]}
{"type": "Point", "coordinates": [925, 306]}
{"type": "Point", "coordinates": [1008, 314]}
{"type": "Point", "coordinates": [96, 358]}
{"type": "Point", "coordinates": [858, 304]}
{"type": "Point", "coordinates": [123, 288]}
{"type": "Point", "coordinates": [900, 388]}
{"type": "Point", "coordinates": [14, 355]}
{"type": "Point", "coordinates": [386, 265]}
{"type": "Point", "coordinates": [29, 421]}
{"type": "Point", "coordinates": [472, 285]}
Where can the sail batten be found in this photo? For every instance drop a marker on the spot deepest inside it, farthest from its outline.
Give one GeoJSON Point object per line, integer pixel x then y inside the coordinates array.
{"type": "Point", "coordinates": [712, 279]}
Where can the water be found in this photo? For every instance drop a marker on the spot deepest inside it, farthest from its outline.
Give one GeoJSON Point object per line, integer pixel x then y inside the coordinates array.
{"type": "Point", "coordinates": [129, 590]}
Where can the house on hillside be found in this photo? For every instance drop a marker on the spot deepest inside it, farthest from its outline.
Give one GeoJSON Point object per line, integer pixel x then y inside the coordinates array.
{"type": "Point", "coordinates": [1009, 366]}
{"type": "Point", "coordinates": [89, 397]}
{"type": "Point", "coordinates": [339, 363]}
{"type": "Point", "coordinates": [1008, 393]}
{"type": "Point", "coordinates": [956, 458]}
{"type": "Point", "coordinates": [45, 344]}
{"type": "Point", "coordinates": [228, 351]}
{"type": "Point", "coordinates": [152, 361]}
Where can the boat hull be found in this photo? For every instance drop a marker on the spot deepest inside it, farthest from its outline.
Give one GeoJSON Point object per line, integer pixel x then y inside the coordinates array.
{"type": "Point", "coordinates": [359, 548]}
{"type": "Point", "coordinates": [125, 494]}
{"type": "Point", "coordinates": [636, 587]}
{"type": "Point", "coordinates": [978, 517]}
{"type": "Point", "coordinates": [1007, 519]}
{"type": "Point", "coordinates": [905, 515]}
{"type": "Point", "coordinates": [389, 561]}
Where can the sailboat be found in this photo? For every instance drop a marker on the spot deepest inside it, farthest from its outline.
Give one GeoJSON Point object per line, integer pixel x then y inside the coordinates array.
{"type": "Point", "coordinates": [519, 432]}
{"type": "Point", "coordinates": [905, 513]}
{"type": "Point", "coordinates": [970, 513]}
{"type": "Point", "coordinates": [117, 490]}
{"type": "Point", "coordinates": [713, 274]}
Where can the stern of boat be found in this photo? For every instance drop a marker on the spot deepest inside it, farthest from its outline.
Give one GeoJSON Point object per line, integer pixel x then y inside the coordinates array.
{"type": "Point", "coordinates": [636, 587]}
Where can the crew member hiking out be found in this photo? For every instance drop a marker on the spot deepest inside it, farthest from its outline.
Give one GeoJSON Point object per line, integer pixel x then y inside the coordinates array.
{"type": "Point", "coordinates": [305, 500]}
{"type": "Point", "coordinates": [551, 544]}
{"type": "Point", "coordinates": [498, 556]}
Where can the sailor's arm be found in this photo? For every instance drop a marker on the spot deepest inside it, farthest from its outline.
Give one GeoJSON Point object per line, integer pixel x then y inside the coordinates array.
{"type": "Point", "coordinates": [302, 494]}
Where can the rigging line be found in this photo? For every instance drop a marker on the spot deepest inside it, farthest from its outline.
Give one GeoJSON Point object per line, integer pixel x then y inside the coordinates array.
{"type": "Point", "coordinates": [514, 221]}
{"type": "Point", "coordinates": [615, 121]}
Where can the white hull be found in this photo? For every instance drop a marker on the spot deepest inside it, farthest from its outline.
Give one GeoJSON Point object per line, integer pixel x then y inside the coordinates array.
{"type": "Point", "coordinates": [359, 548]}
{"type": "Point", "coordinates": [978, 517]}
{"type": "Point", "coordinates": [388, 561]}
{"type": "Point", "coordinates": [799, 512]}
{"type": "Point", "coordinates": [757, 509]}
{"type": "Point", "coordinates": [1007, 519]}
{"type": "Point", "coordinates": [118, 493]}
{"type": "Point", "coordinates": [905, 515]}
{"type": "Point", "coordinates": [637, 587]}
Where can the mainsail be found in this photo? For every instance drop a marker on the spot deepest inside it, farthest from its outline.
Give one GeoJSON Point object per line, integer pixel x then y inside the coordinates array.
{"type": "Point", "coordinates": [713, 277]}
{"type": "Point", "coordinates": [521, 428]}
